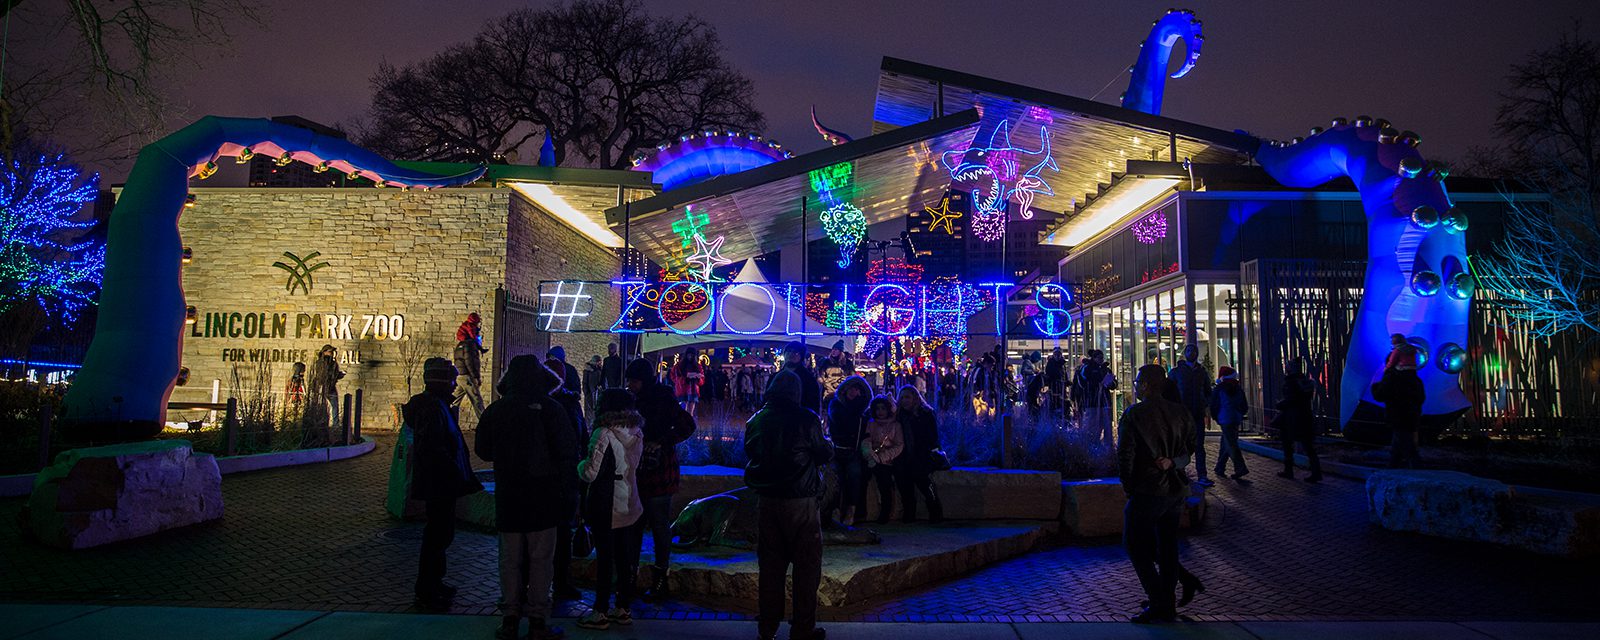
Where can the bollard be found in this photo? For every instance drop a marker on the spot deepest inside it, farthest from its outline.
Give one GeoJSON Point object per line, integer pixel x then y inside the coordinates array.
{"type": "Point", "coordinates": [355, 432]}
{"type": "Point", "coordinates": [230, 428]}
{"type": "Point", "coordinates": [345, 420]}
{"type": "Point", "coordinates": [46, 415]}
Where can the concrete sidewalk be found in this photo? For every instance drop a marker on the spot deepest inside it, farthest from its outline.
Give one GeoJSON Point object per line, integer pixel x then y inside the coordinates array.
{"type": "Point", "coordinates": [41, 621]}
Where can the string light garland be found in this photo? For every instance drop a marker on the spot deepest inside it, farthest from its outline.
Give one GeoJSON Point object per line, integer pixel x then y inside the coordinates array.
{"type": "Point", "coordinates": [39, 262]}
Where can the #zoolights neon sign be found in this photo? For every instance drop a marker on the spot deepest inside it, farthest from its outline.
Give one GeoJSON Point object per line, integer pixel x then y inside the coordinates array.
{"type": "Point", "coordinates": [759, 308]}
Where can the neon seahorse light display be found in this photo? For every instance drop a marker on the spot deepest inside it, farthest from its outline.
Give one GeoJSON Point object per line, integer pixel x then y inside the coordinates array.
{"type": "Point", "coordinates": [996, 174]}
{"type": "Point", "coordinates": [1149, 79]}
{"type": "Point", "coordinates": [1416, 242]}
{"type": "Point", "coordinates": [132, 363]}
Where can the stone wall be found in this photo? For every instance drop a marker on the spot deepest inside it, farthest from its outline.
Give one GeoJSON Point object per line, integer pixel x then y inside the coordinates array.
{"type": "Point", "coordinates": [430, 257]}
{"type": "Point", "coordinates": [541, 248]}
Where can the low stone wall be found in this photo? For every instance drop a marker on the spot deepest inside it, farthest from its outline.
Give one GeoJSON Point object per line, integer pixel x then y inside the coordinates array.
{"type": "Point", "coordinates": [968, 493]}
{"type": "Point", "coordinates": [1093, 508]}
{"type": "Point", "coordinates": [1451, 504]}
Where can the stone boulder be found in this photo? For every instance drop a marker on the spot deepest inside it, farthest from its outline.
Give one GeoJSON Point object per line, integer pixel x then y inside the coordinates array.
{"type": "Point", "coordinates": [1451, 504]}
{"type": "Point", "coordinates": [1093, 508]}
{"type": "Point", "coordinates": [99, 495]}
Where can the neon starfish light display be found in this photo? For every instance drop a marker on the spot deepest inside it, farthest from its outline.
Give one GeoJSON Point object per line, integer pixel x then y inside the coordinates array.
{"type": "Point", "coordinates": [943, 216]}
{"type": "Point", "coordinates": [995, 172]}
{"type": "Point", "coordinates": [707, 256]}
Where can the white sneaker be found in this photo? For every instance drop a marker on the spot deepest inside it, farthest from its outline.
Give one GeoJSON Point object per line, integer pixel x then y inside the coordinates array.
{"type": "Point", "coordinates": [620, 615]}
{"type": "Point", "coordinates": [594, 620]}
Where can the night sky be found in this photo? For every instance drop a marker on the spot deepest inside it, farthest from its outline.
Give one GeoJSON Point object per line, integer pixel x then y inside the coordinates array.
{"type": "Point", "coordinates": [1272, 68]}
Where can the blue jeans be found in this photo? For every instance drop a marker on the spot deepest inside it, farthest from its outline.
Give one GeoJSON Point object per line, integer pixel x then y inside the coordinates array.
{"type": "Point", "coordinates": [1230, 451]}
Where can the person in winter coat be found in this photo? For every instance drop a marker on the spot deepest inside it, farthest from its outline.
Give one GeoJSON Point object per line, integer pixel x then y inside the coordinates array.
{"type": "Point", "coordinates": [846, 427]}
{"type": "Point", "coordinates": [1055, 381]}
{"type": "Point", "coordinates": [529, 438]}
{"type": "Point", "coordinates": [591, 383]}
{"type": "Point", "coordinates": [1402, 394]}
{"type": "Point", "coordinates": [1194, 391]}
{"type": "Point", "coordinates": [921, 427]}
{"type": "Point", "coordinates": [666, 424]}
{"type": "Point", "coordinates": [611, 368]}
{"type": "Point", "coordinates": [687, 377]}
{"type": "Point", "coordinates": [614, 511]}
{"type": "Point", "coordinates": [1296, 423]}
{"type": "Point", "coordinates": [834, 369]}
{"type": "Point", "coordinates": [440, 474]}
{"type": "Point", "coordinates": [325, 377]}
{"type": "Point", "coordinates": [1154, 444]}
{"type": "Point", "coordinates": [1229, 407]}
{"type": "Point", "coordinates": [1091, 392]}
{"type": "Point", "coordinates": [786, 449]}
{"type": "Point", "coordinates": [885, 443]}
{"type": "Point", "coordinates": [563, 396]}
{"type": "Point", "coordinates": [794, 360]}
{"type": "Point", "coordinates": [468, 361]}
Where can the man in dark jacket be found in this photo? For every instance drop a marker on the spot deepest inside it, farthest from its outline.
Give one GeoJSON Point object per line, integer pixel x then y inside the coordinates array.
{"type": "Point", "coordinates": [1194, 391]}
{"type": "Point", "coordinates": [1402, 394]}
{"type": "Point", "coordinates": [469, 363]}
{"type": "Point", "coordinates": [325, 376]}
{"type": "Point", "coordinates": [591, 383]}
{"type": "Point", "coordinates": [1055, 379]}
{"type": "Point", "coordinates": [794, 359]}
{"type": "Point", "coordinates": [1091, 392]}
{"type": "Point", "coordinates": [529, 438]}
{"type": "Point", "coordinates": [786, 450]}
{"type": "Point", "coordinates": [1296, 422]}
{"type": "Point", "coordinates": [440, 473]}
{"type": "Point", "coordinates": [611, 368]}
{"type": "Point", "coordinates": [563, 396]}
{"type": "Point", "coordinates": [665, 425]}
{"type": "Point", "coordinates": [1154, 444]}
{"type": "Point", "coordinates": [846, 427]}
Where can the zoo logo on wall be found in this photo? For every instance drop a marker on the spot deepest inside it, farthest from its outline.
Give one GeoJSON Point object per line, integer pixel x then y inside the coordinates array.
{"type": "Point", "coordinates": [300, 272]}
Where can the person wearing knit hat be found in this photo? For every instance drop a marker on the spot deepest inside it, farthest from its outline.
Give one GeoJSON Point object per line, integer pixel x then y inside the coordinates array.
{"type": "Point", "coordinates": [1228, 407]}
{"type": "Point", "coordinates": [440, 474]}
{"type": "Point", "coordinates": [787, 450]}
{"type": "Point", "coordinates": [833, 370]}
{"type": "Point", "coordinates": [469, 363]}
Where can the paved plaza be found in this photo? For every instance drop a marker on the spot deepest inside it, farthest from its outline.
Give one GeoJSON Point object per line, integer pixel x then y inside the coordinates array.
{"type": "Point", "coordinates": [316, 538]}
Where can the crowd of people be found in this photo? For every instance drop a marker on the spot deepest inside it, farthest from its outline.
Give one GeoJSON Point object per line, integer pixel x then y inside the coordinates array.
{"type": "Point", "coordinates": [588, 461]}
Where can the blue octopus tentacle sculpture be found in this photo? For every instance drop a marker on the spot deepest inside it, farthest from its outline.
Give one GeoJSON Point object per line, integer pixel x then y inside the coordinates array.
{"type": "Point", "coordinates": [1149, 79]}
{"type": "Point", "coordinates": [133, 360]}
{"type": "Point", "coordinates": [1417, 281]}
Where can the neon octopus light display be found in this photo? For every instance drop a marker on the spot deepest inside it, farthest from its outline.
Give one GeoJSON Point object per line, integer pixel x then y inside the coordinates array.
{"type": "Point", "coordinates": [996, 174]}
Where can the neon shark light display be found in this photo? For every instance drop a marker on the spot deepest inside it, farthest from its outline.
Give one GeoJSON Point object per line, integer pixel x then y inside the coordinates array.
{"type": "Point", "coordinates": [1000, 173]}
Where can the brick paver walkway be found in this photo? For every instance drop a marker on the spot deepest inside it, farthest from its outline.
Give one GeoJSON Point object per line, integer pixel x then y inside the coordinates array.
{"type": "Point", "coordinates": [317, 538]}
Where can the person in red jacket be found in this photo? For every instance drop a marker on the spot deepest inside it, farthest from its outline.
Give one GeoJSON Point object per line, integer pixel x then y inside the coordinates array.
{"type": "Point", "coordinates": [687, 376]}
{"type": "Point", "coordinates": [665, 425]}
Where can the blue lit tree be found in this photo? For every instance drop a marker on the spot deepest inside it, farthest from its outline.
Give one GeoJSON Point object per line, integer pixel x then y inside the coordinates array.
{"type": "Point", "coordinates": [45, 265]}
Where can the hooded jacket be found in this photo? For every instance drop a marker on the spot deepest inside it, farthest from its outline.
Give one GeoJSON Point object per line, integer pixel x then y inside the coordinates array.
{"type": "Point", "coordinates": [617, 433]}
{"type": "Point", "coordinates": [1194, 385]}
{"type": "Point", "coordinates": [785, 444]}
{"type": "Point", "coordinates": [530, 439]}
{"type": "Point", "coordinates": [1228, 402]}
{"type": "Point", "coordinates": [845, 417]}
{"type": "Point", "coordinates": [440, 468]}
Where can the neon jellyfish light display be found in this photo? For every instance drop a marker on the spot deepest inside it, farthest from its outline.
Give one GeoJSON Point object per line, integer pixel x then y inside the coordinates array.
{"type": "Point", "coordinates": [1413, 252]}
{"type": "Point", "coordinates": [844, 223]}
{"type": "Point", "coordinates": [998, 173]}
{"type": "Point", "coordinates": [1149, 79]}
{"type": "Point", "coordinates": [132, 363]}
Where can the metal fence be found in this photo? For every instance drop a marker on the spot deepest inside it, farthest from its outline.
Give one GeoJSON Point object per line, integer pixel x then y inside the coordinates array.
{"type": "Point", "coordinates": [1520, 384]}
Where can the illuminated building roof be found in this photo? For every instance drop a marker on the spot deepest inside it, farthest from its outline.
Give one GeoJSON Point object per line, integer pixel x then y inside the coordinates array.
{"type": "Point", "coordinates": [759, 211]}
{"type": "Point", "coordinates": [1091, 143]}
